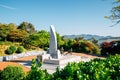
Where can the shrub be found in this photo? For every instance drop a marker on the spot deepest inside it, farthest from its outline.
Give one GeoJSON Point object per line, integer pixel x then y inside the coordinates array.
{"type": "Point", "coordinates": [46, 48]}
{"type": "Point", "coordinates": [85, 46]}
{"type": "Point", "coordinates": [97, 69]}
{"type": "Point", "coordinates": [87, 50]}
{"type": "Point", "coordinates": [0, 74]}
{"type": "Point", "coordinates": [95, 50]}
{"type": "Point", "coordinates": [12, 73]}
{"type": "Point", "coordinates": [20, 49]}
{"type": "Point", "coordinates": [8, 51]}
{"type": "Point", "coordinates": [13, 48]}
{"type": "Point", "coordinates": [110, 48]}
{"type": "Point", "coordinates": [37, 73]}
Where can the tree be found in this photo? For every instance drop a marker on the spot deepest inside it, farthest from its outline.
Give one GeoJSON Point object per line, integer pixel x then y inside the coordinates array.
{"type": "Point", "coordinates": [58, 39]}
{"type": "Point", "coordinates": [112, 48]}
{"type": "Point", "coordinates": [31, 28]}
{"type": "Point", "coordinates": [5, 30]}
{"type": "Point", "coordinates": [115, 16]}
{"type": "Point", "coordinates": [44, 38]}
{"type": "Point", "coordinates": [27, 27]}
{"type": "Point", "coordinates": [40, 39]}
{"type": "Point", "coordinates": [17, 35]}
{"type": "Point", "coordinates": [12, 26]}
{"type": "Point", "coordinates": [79, 38]}
{"type": "Point", "coordinates": [95, 41]}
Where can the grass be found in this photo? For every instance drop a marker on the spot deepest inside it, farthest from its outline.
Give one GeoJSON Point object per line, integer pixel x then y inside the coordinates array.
{"type": "Point", "coordinates": [2, 49]}
{"type": "Point", "coordinates": [5, 45]}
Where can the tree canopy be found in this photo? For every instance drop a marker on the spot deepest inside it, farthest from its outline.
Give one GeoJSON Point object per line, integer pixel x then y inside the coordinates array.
{"type": "Point", "coordinates": [27, 27]}
{"type": "Point", "coordinates": [115, 12]}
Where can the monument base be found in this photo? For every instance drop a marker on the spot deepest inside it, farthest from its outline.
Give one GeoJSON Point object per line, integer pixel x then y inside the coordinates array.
{"type": "Point", "coordinates": [56, 55]}
{"type": "Point", "coordinates": [51, 63]}
{"type": "Point", "coordinates": [63, 61]}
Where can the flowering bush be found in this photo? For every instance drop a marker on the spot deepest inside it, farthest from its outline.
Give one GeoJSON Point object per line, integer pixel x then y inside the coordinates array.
{"type": "Point", "coordinates": [110, 47]}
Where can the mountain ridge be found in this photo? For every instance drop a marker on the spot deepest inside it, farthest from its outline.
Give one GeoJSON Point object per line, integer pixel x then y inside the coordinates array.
{"type": "Point", "coordinates": [88, 36]}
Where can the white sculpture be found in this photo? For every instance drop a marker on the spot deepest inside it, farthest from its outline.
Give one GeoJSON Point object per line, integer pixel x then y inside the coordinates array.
{"type": "Point", "coordinates": [53, 51]}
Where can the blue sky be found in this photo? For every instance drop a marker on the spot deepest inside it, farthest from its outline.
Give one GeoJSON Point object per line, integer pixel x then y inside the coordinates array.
{"type": "Point", "coordinates": [68, 16]}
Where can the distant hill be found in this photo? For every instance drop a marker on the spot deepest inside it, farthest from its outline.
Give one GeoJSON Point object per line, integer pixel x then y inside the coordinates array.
{"type": "Point", "coordinates": [86, 36]}
{"type": "Point", "coordinates": [89, 37]}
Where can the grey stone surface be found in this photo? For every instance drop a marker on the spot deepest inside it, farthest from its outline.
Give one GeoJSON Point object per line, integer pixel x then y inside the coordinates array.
{"type": "Point", "coordinates": [53, 51]}
{"type": "Point", "coordinates": [1, 59]}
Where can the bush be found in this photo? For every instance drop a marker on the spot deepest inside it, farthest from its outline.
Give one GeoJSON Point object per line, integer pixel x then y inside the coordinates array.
{"type": "Point", "coordinates": [13, 48]}
{"type": "Point", "coordinates": [0, 74]}
{"type": "Point", "coordinates": [20, 49]}
{"type": "Point", "coordinates": [46, 48]}
{"type": "Point", "coordinates": [12, 73]}
{"type": "Point", "coordinates": [37, 73]}
{"type": "Point", "coordinates": [86, 50]}
{"type": "Point", "coordinates": [97, 69]}
{"type": "Point", "coordinates": [110, 48]}
{"type": "Point", "coordinates": [95, 50]}
{"type": "Point", "coordinates": [85, 46]}
{"type": "Point", "coordinates": [10, 50]}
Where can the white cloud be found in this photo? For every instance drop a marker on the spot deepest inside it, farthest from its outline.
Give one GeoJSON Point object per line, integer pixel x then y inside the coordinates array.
{"type": "Point", "coordinates": [7, 7]}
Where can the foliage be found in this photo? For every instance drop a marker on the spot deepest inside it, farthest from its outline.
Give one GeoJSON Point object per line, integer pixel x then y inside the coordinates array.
{"type": "Point", "coordinates": [95, 41]}
{"type": "Point", "coordinates": [11, 50]}
{"type": "Point", "coordinates": [8, 51]}
{"type": "Point", "coordinates": [79, 45]}
{"type": "Point", "coordinates": [37, 73]}
{"type": "Point", "coordinates": [79, 38]}
{"type": "Point", "coordinates": [110, 47]}
{"type": "Point", "coordinates": [44, 38]}
{"type": "Point", "coordinates": [115, 12]}
{"type": "Point", "coordinates": [5, 43]}
{"type": "Point", "coordinates": [59, 42]}
{"type": "Point", "coordinates": [97, 69]}
{"type": "Point", "coordinates": [9, 32]}
{"type": "Point", "coordinates": [28, 27]}
{"type": "Point", "coordinates": [40, 39]}
{"type": "Point", "coordinates": [12, 73]}
{"type": "Point", "coordinates": [17, 35]}
{"type": "Point", "coordinates": [25, 33]}
{"type": "Point", "coordinates": [20, 49]}
{"type": "Point", "coordinates": [4, 31]}
{"type": "Point", "coordinates": [46, 48]}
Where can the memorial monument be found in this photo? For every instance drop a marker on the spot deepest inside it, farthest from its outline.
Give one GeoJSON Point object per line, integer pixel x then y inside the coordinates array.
{"type": "Point", "coordinates": [53, 58]}
{"type": "Point", "coordinates": [53, 51]}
